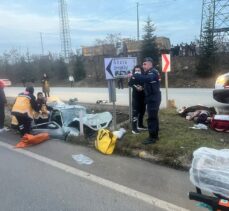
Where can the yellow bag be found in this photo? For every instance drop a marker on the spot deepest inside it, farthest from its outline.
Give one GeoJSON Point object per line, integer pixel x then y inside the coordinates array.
{"type": "Point", "coordinates": [105, 141]}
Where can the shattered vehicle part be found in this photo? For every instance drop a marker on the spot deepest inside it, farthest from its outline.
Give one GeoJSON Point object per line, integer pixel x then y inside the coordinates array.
{"type": "Point", "coordinates": [64, 120]}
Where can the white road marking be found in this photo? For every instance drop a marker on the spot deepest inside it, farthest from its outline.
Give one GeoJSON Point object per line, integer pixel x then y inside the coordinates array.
{"type": "Point", "coordinates": [93, 178]}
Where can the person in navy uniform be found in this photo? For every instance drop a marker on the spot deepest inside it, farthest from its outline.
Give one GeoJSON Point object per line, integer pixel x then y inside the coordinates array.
{"type": "Point", "coordinates": [151, 80]}
{"type": "Point", "coordinates": [138, 101]}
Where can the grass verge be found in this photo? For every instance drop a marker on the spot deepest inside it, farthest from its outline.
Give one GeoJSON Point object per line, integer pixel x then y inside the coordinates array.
{"type": "Point", "coordinates": [177, 141]}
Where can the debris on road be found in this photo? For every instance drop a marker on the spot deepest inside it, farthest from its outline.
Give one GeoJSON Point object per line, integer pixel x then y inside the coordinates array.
{"type": "Point", "coordinates": [82, 159]}
{"type": "Point", "coordinates": [199, 127]}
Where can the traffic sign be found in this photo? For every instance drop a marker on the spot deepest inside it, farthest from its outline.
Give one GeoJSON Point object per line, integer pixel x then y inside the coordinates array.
{"type": "Point", "coordinates": [119, 67]}
{"type": "Point", "coordinates": [166, 65]}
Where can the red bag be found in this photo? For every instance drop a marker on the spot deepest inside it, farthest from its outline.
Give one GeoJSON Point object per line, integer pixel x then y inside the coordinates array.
{"type": "Point", "coordinates": [220, 123]}
{"type": "Point", "coordinates": [29, 140]}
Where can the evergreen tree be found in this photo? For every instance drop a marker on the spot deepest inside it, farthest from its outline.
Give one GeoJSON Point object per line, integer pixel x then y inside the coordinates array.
{"type": "Point", "coordinates": [78, 68]}
{"type": "Point", "coordinates": [149, 46]}
{"type": "Point", "coordinates": [207, 59]}
{"type": "Point", "coordinates": [61, 69]}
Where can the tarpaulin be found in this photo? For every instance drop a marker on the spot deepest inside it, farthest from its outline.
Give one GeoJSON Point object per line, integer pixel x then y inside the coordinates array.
{"type": "Point", "coordinates": [29, 140]}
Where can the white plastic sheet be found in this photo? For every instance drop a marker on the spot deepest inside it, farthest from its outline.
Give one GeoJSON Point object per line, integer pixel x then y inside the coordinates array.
{"type": "Point", "coordinates": [119, 133]}
{"type": "Point", "coordinates": [210, 170]}
{"type": "Point", "coordinates": [82, 159]}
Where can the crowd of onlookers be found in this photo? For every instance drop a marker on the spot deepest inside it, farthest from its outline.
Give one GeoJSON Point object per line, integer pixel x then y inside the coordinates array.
{"type": "Point", "coordinates": [184, 49]}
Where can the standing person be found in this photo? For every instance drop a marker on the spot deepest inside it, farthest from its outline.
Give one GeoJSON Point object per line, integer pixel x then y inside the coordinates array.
{"type": "Point", "coordinates": [151, 80]}
{"type": "Point", "coordinates": [138, 101]}
{"type": "Point", "coordinates": [2, 106]}
{"type": "Point", "coordinates": [45, 85]}
{"type": "Point", "coordinates": [71, 79]}
{"type": "Point", "coordinates": [23, 109]}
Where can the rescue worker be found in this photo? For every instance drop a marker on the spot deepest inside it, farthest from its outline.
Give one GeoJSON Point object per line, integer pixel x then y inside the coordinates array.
{"type": "Point", "coordinates": [43, 115]}
{"type": "Point", "coordinates": [23, 109]}
{"type": "Point", "coordinates": [2, 106]}
{"type": "Point", "coordinates": [138, 101]}
{"type": "Point", "coordinates": [151, 80]}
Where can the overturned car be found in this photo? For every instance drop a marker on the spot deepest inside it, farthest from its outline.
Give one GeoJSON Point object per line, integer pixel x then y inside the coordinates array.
{"type": "Point", "coordinates": [64, 121]}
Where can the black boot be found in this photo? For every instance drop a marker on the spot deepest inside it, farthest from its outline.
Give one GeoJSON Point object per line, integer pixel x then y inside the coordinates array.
{"type": "Point", "coordinates": [140, 123]}
{"type": "Point", "coordinates": [134, 127]}
{"type": "Point", "coordinates": [151, 140]}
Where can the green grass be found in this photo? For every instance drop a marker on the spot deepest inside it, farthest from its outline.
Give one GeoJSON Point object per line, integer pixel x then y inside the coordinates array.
{"type": "Point", "coordinates": [177, 141]}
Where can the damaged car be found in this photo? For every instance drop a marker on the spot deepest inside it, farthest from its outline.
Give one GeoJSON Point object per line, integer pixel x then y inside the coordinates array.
{"type": "Point", "coordinates": [64, 121]}
{"type": "Point", "coordinates": [221, 91]}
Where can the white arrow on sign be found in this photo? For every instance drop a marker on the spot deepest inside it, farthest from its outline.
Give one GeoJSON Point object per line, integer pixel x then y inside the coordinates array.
{"type": "Point", "coordinates": [119, 67]}
{"type": "Point", "coordinates": [166, 66]}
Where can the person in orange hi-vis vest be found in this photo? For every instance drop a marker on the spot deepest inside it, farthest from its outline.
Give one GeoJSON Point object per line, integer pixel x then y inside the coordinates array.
{"type": "Point", "coordinates": [23, 108]}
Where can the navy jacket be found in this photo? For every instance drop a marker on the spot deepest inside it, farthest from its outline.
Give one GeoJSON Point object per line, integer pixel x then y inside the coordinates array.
{"type": "Point", "coordinates": [151, 82]}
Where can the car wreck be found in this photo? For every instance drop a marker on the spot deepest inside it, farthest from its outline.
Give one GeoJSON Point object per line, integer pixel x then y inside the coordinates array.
{"type": "Point", "coordinates": [221, 91]}
{"type": "Point", "coordinates": [64, 121]}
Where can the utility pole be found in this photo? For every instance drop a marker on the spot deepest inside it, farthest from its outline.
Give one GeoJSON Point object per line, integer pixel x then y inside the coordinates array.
{"type": "Point", "coordinates": [42, 46]}
{"type": "Point", "coordinates": [137, 22]}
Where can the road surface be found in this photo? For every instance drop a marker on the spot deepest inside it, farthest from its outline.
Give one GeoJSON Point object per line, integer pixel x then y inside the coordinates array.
{"type": "Point", "coordinates": [182, 96]}
{"type": "Point", "coordinates": [45, 177]}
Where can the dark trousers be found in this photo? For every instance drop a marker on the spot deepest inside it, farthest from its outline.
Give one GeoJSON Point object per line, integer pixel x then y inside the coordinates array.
{"type": "Point", "coordinates": [120, 83]}
{"type": "Point", "coordinates": [46, 94]}
{"type": "Point", "coordinates": [153, 121]}
{"type": "Point", "coordinates": [24, 124]}
{"type": "Point", "coordinates": [138, 110]}
{"type": "Point", "coordinates": [2, 116]}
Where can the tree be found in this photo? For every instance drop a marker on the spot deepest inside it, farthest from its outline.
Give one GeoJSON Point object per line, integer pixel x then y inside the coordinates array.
{"type": "Point", "coordinates": [61, 69]}
{"type": "Point", "coordinates": [109, 39]}
{"type": "Point", "coordinates": [149, 46]}
{"type": "Point", "coordinates": [78, 68]}
{"type": "Point", "coordinates": [207, 59]}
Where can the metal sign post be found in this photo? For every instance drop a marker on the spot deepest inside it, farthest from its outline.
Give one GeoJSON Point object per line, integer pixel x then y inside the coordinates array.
{"type": "Point", "coordinates": [130, 105]}
{"type": "Point", "coordinates": [112, 98]}
{"type": "Point", "coordinates": [166, 90]}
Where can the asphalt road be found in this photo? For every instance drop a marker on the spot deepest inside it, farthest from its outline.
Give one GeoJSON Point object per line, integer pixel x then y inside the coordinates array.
{"type": "Point", "coordinates": [45, 177]}
{"type": "Point", "coordinates": [30, 185]}
{"type": "Point", "coordinates": [31, 182]}
{"type": "Point", "coordinates": [182, 96]}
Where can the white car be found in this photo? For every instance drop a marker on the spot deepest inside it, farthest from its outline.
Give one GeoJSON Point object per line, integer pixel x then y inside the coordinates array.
{"type": "Point", "coordinates": [7, 82]}
{"type": "Point", "coordinates": [221, 91]}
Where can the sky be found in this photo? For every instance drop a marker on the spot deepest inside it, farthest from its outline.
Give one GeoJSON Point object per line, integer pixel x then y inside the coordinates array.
{"type": "Point", "coordinates": [24, 21]}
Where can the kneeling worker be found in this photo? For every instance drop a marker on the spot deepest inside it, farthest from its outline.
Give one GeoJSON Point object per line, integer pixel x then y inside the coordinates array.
{"type": "Point", "coordinates": [43, 115]}
{"type": "Point", "coordinates": [23, 109]}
